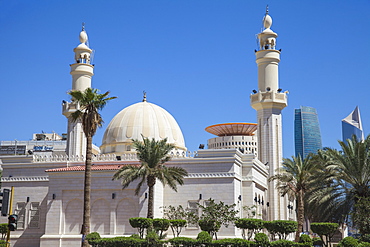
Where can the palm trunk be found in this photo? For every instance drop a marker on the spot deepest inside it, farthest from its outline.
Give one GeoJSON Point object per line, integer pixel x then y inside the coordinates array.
{"type": "Point", "coordinates": [87, 191]}
{"type": "Point", "coordinates": [300, 214]}
{"type": "Point", "coordinates": [151, 183]}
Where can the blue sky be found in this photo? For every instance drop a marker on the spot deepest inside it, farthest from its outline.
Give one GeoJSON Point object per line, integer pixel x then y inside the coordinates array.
{"type": "Point", "coordinates": [195, 58]}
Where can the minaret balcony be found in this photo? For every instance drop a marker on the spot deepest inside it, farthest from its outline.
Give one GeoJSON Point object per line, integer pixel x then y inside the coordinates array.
{"type": "Point", "coordinates": [82, 68]}
{"type": "Point", "coordinates": [262, 100]}
{"type": "Point", "coordinates": [68, 108]}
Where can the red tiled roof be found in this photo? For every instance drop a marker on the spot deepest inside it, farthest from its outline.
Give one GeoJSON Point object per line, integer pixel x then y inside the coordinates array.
{"type": "Point", "coordinates": [93, 168]}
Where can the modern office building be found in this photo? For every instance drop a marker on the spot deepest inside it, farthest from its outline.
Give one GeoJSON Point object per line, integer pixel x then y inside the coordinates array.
{"type": "Point", "coordinates": [352, 125]}
{"type": "Point", "coordinates": [307, 135]}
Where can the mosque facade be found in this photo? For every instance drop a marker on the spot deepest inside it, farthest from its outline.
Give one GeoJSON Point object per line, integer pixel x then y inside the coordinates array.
{"type": "Point", "coordinates": [48, 189]}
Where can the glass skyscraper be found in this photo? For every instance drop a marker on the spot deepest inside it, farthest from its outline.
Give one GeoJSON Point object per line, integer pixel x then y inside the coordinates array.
{"type": "Point", "coordinates": [352, 125]}
{"type": "Point", "coordinates": [307, 135]}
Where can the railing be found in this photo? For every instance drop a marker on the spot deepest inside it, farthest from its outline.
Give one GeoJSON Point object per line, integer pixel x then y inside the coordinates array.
{"type": "Point", "coordinates": [177, 154]}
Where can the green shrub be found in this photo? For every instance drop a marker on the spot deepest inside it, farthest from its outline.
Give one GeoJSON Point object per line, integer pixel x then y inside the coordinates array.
{"type": "Point", "coordinates": [325, 231]}
{"type": "Point", "coordinates": [92, 238]}
{"type": "Point", "coordinates": [232, 242]}
{"type": "Point", "coordinates": [161, 225]}
{"type": "Point", "coordinates": [261, 239]}
{"type": "Point", "coordinates": [120, 241]}
{"type": "Point", "coordinates": [176, 226]}
{"type": "Point", "coordinates": [283, 243]}
{"type": "Point", "coordinates": [365, 238]}
{"type": "Point", "coordinates": [3, 230]}
{"type": "Point", "coordinates": [209, 225]}
{"type": "Point", "coordinates": [317, 241]}
{"type": "Point", "coordinates": [251, 225]}
{"type": "Point", "coordinates": [281, 227]}
{"type": "Point", "coordinates": [304, 238]}
{"type": "Point", "coordinates": [141, 224]}
{"type": "Point", "coordinates": [204, 238]}
{"type": "Point", "coordinates": [182, 241]}
{"type": "Point", "coordinates": [364, 244]}
{"type": "Point", "coordinates": [135, 236]}
{"type": "Point", "coordinates": [3, 242]}
{"type": "Point", "coordinates": [348, 242]}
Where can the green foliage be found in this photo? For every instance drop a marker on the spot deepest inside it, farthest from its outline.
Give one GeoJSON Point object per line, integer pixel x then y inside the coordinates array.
{"type": "Point", "coordinates": [214, 215]}
{"type": "Point", "coordinates": [160, 226]}
{"type": "Point", "coordinates": [304, 238]}
{"type": "Point", "coordinates": [176, 226]}
{"type": "Point", "coordinates": [179, 217]}
{"type": "Point", "coordinates": [348, 242]}
{"type": "Point", "coordinates": [153, 155]}
{"type": "Point", "coordinates": [92, 237]}
{"type": "Point", "coordinates": [281, 227]}
{"type": "Point", "coordinates": [232, 242]}
{"type": "Point", "coordinates": [251, 225]}
{"type": "Point", "coordinates": [364, 244]}
{"type": "Point", "coordinates": [141, 224]}
{"type": "Point", "coordinates": [182, 241]}
{"type": "Point", "coordinates": [119, 242]}
{"type": "Point", "coordinates": [152, 238]}
{"type": "Point", "coordinates": [3, 243]}
{"type": "Point", "coordinates": [360, 215]}
{"type": "Point", "coordinates": [283, 243]}
{"type": "Point", "coordinates": [209, 225]}
{"type": "Point", "coordinates": [365, 238]}
{"type": "Point", "coordinates": [261, 240]}
{"type": "Point", "coordinates": [3, 230]}
{"type": "Point", "coordinates": [250, 211]}
{"type": "Point", "coordinates": [204, 238]}
{"type": "Point", "coordinates": [317, 241]}
{"type": "Point", "coordinates": [325, 231]}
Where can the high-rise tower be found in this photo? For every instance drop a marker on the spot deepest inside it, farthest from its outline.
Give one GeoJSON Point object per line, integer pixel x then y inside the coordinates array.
{"type": "Point", "coordinates": [269, 101]}
{"type": "Point", "coordinates": [352, 125]}
{"type": "Point", "coordinates": [81, 72]}
{"type": "Point", "coordinates": [307, 135]}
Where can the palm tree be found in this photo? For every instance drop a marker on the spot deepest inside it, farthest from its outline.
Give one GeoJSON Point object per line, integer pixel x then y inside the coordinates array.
{"type": "Point", "coordinates": [153, 155]}
{"type": "Point", "coordinates": [89, 103]}
{"type": "Point", "coordinates": [296, 178]}
{"type": "Point", "coordinates": [350, 178]}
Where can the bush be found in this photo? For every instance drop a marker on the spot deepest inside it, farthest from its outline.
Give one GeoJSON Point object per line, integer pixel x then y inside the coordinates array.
{"type": "Point", "coordinates": [281, 227]}
{"type": "Point", "coordinates": [119, 242]}
{"type": "Point", "coordinates": [362, 244]}
{"type": "Point", "coordinates": [204, 238]}
{"type": "Point", "coordinates": [317, 241]}
{"type": "Point", "coordinates": [365, 238]}
{"type": "Point", "coordinates": [3, 242]}
{"type": "Point", "coordinates": [176, 226]}
{"type": "Point", "coordinates": [283, 243]}
{"type": "Point", "coordinates": [261, 239]}
{"type": "Point", "coordinates": [232, 242]}
{"type": "Point", "coordinates": [141, 224]}
{"type": "Point", "coordinates": [92, 238]}
{"type": "Point", "coordinates": [182, 241]}
{"type": "Point", "coordinates": [161, 225]}
{"type": "Point", "coordinates": [3, 230]}
{"type": "Point", "coordinates": [252, 225]}
{"type": "Point", "coordinates": [304, 238]}
{"type": "Point", "coordinates": [348, 242]}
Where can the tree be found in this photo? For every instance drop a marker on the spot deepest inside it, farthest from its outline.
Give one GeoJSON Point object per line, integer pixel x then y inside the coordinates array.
{"type": "Point", "coordinates": [360, 215]}
{"type": "Point", "coordinates": [179, 217]}
{"type": "Point", "coordinates": [295, 178]}
{"type": "Point", "coordinates": [282, 228]}
{"type": "Point", "coordinates": [89, 103]}
{"type": "Point", "coordinates": [214, 215]}
{"type": "Point", "coordinates": [252, 225]}
{"type": "Point", "coordinates": [349, 173]}
{"type": "Point", "coordinates": [153, 155]}
{"type": "Point", "coordinates": [325, 231]}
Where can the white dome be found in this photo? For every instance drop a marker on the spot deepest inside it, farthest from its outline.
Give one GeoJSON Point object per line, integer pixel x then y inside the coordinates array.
{"type": "Point", "coordinates": [145, 119]}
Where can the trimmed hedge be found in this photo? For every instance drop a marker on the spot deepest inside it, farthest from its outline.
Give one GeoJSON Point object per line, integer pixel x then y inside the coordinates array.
{"type": "Point", "coordinates": [233, 242]}
{"type": "Point", "coordinates": [348, 242]}
{"type": "Point", "coordinates": [183, 241]}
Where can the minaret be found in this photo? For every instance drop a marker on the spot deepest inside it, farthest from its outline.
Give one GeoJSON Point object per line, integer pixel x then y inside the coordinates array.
{"type": "Point", "coordinates": [81, 72]}
{"type": "Point", "coordinates": [268, 101]}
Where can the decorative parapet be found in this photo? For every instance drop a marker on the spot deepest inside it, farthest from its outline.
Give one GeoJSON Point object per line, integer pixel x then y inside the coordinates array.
{"type": "Point", "coordinates": [25, 179]}
{"type": "Point", "coordinates": [177, 154]}
{"type": "Point", "coordinates": [214, 175]}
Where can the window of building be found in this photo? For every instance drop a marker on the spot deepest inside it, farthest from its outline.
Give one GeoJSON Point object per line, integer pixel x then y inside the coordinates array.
{"type": "Point", "coordinates": [193, 207]}
{"type": "Point", "coordinates": [20, 210]}
{"type": "Point", "coordinates": [34, 215]}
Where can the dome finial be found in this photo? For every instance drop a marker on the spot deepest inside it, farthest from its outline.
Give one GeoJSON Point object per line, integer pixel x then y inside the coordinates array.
{"type": "Point", "coordinates": [83, 26]}
{"type": "Point", "coordinates": [267, 9]}
{"type": "Point", "coordinates": [144, 98]}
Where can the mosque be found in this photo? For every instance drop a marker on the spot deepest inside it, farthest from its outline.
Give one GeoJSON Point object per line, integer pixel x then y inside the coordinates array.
{"type": "Point", "coordinates": [48, 173]}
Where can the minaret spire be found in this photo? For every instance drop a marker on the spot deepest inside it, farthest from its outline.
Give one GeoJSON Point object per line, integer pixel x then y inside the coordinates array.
{"type": "Point", "coordinates": [82, 72]}
{"type": "Point", "coordinates": [269, 101]}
